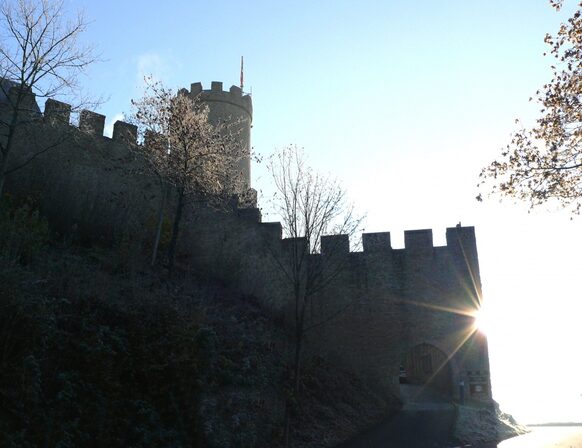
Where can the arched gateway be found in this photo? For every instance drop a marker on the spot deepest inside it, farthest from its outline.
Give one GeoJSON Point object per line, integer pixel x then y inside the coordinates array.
{"type": "Point", "coordinates": [426, 371]}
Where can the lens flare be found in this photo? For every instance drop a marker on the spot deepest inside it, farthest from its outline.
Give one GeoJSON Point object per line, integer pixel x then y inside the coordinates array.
{"type": "Point", "coordinates": [482, 320]}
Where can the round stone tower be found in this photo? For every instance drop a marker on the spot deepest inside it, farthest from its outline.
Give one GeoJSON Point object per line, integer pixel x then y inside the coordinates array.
{"type": "Point", "coordinates": [233, 108]}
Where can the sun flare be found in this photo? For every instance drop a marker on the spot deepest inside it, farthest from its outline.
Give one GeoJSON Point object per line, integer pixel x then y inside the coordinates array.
{"type": "Point", "coordinates": [482, 320]}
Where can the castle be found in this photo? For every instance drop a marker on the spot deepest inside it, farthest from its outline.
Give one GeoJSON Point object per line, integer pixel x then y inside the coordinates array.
{"type": "Point", "coordinates": [407, 311]}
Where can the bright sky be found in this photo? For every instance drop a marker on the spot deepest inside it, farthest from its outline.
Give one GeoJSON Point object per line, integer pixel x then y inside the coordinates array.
{"type": "Point", "coordinates": [404, 101]}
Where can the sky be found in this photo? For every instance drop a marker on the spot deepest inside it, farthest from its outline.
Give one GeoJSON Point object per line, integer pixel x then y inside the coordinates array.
{"type": "Point", "coordinates": [404, 102]}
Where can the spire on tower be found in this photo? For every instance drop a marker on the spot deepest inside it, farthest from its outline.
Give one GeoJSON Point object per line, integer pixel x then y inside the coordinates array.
{"type": "Point", "coordinates": [241, 73]}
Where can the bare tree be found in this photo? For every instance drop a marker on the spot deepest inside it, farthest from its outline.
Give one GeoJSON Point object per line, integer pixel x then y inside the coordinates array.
{"type": "Point", "coordinates": [544, 162]}
{"type": "Point", "coordinates": [189, 155]}
{"type": "Point", "coordinates": [40, 56]}
{"type": "Point", "coordinates": [310, 207]}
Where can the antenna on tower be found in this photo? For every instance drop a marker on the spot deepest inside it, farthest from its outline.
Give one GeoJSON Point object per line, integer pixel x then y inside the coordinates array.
{"type": "Point", "coordinates": [241, 73]}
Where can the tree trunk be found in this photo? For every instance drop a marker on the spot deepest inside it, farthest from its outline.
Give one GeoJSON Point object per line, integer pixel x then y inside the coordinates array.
{"type": "Point", "coordinates": [2, 176]}
{"type": "Point", "coordinates": [175, 231]}
{"type": "Point", "coordinates": [300, 299]}
{"type": "Point", "coordinates": [287, 425]}
{"type": "Point", "coordinates": [299, 334]}
{"type": "Point", "coordinates": [296, 384]}
{"type": "Point", "coordinates": [160, 224]}
{"type": "Point", "coordinates": [4, 156]}
{"type": "Point", "coordinates": [297, 363]}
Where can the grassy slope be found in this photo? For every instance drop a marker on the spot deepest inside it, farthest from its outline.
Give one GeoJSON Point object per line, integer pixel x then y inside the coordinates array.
{"type": "Point", "coordinates": [96, 350]}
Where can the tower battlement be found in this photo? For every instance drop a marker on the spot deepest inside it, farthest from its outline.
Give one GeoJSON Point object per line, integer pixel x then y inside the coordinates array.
{"type": "Point", "coordinates": [234, 96]}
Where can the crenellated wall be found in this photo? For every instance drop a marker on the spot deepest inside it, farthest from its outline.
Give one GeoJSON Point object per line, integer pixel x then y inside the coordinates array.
{"type": "Point", "coordinates": [57, 113]}
{"type": "Point", "coordinates": [233, 96]}
{"type": "Point", "coordinates": [382, 303]}
{"type": "Point", "coordinates": [379, 305]}
{"type": "Point", "coordinates": [84, 181]}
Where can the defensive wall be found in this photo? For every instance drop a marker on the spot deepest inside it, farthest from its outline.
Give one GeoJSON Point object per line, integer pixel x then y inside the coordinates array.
{"type": "Point", "coordinates": [382, 303]}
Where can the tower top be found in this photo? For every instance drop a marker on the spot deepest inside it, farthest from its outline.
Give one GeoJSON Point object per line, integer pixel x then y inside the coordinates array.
{"type": "Point", "coordinates": [234, 96]}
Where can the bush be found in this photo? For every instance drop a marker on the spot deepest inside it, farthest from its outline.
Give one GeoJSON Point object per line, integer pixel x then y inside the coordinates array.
{"type": "Point", "coordinates": [23, 232]}
{"type": "Point", "coordinates": [87, 361]}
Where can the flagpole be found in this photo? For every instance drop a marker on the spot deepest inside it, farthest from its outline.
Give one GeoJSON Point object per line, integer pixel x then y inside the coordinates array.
{"type": "Point", "coordinates": [241, 73]}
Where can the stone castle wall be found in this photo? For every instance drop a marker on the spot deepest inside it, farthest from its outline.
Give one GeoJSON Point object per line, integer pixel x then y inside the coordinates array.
{"type": "Point", "coordinates": [381, 304]}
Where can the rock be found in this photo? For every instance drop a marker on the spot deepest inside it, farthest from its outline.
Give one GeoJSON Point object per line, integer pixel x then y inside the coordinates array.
{"type": "Point", "coordinates": [479, 424]}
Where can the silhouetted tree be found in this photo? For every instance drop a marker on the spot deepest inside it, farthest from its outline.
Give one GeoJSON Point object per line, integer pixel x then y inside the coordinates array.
{"type": "Point", "coordinates": [191, 156]}
{"type": "Point", "coordinates": [545, 161]}
{"type": "Point", "coordinates": [310, 206]}
{"type": "Point", "coordinates": [40, 55]}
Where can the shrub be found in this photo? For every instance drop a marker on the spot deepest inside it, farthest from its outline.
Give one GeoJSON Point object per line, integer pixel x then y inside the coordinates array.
{"type": "Point", "coordinates": [23, 232]}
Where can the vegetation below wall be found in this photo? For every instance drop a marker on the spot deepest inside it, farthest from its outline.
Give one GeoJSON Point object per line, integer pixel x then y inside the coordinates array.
{"type": "Point", "coordinates": [91, 356]}
{"type": "Point", "coordinates": [96, 350]}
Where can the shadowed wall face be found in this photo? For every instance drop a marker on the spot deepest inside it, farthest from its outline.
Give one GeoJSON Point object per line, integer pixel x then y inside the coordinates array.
{"type": "Point", "coordinates": [402, 303]}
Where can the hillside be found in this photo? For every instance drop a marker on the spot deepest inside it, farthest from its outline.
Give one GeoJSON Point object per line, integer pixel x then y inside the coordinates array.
{"type": "Point", "coordinates": [99, 350]}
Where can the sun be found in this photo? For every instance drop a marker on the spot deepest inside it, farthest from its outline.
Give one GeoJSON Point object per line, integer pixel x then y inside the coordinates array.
{"type": "Point", "coordinates": [482, 321]}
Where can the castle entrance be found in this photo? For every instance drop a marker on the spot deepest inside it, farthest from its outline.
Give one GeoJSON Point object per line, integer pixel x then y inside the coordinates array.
{"type": "Point", "coordinates": [425, 375]}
